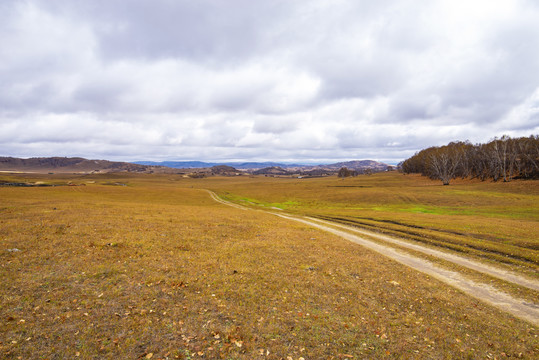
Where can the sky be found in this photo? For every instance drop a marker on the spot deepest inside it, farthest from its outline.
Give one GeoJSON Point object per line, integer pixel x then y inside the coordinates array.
{"type": "Point", "coordinates": [274, 80]}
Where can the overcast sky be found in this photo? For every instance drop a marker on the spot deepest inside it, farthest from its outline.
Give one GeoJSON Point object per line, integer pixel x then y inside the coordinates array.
{"type": "Point", "coordinates": [264, 80]}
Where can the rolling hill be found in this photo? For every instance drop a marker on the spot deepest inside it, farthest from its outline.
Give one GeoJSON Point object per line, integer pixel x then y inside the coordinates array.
{"type": "Point", "coordinates": [72, 165]}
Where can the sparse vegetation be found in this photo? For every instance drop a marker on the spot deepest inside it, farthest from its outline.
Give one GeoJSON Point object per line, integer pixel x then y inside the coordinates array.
{"type": "Point", "coordinates": [157, 269]}
{"type": "Point", "coordinates": [344, 172]}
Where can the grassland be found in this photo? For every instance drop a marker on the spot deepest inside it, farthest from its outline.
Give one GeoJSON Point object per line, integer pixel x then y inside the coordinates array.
{"type": "Point", "coordinates": [493, 221]}
{"type": "Point", "coordinates": [156, 269]}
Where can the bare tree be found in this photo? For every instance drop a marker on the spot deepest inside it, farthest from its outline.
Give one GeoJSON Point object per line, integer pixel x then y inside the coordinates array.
{"type": "Point", "coordinates": [445, 164]}
{"type": "Point", "coordinates": [529, 156]}
{"type": "Point", "coordinates": [512, 157]}
{"type": "Point", "coordinates": [344, 172]}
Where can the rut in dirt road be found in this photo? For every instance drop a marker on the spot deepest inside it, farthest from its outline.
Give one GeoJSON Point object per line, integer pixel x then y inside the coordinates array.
{"type": "Point", "coordinates": [517, 307]}
{"type": "Point", "coordinates": [455, 259]}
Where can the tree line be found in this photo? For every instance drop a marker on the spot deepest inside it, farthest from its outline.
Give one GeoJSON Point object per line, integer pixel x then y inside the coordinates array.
{"type": "Point", "coordinates": [345, 172]}
{"type": "Point", "coordinates": [501, 159]}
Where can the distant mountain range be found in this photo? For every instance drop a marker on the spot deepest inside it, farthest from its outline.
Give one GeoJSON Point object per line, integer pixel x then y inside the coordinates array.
{"type": "Point", "coordinates": [201, 164]}
{"type": "Point", "coordinates": [81, 165]}
{"type": "Point", "coordinates": [251, 166]}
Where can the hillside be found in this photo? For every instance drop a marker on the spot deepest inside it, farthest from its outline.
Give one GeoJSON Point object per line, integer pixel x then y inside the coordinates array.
{"type": "Point", "coordinates": [272, 170]}
{"type": "Point", "coordinates": [72, 165]}
{"type": "Point", "coordinates": [358, 165]}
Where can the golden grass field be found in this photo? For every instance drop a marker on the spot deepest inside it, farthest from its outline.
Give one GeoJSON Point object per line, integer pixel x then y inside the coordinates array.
{"type": "Point", "coordinates": [490, 220]}
{"type": "Point", "coordinates": [157, 269]}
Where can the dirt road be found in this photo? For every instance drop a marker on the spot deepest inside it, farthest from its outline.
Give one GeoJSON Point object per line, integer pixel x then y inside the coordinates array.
{"type": "Point", "coordinates": [456, 259]}
{"type": "Point", "coordinates": [517, 307]}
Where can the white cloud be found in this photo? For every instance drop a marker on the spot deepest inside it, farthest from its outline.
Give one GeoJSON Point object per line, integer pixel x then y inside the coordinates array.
{"type": "Point", "coordinates": [264, 80]}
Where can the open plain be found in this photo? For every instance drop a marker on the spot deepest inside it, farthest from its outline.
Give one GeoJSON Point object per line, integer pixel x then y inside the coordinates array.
{"type": "Point", "coordinates": [151, 266]}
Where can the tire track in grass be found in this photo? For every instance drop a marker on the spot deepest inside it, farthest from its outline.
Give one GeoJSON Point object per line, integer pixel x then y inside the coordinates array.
{"type": "Point", "coordinates": [483, 292]}
{"type": "Point", "coordinates": [215, 197]}
{"type": "Point", "coordinates": [455, 259]}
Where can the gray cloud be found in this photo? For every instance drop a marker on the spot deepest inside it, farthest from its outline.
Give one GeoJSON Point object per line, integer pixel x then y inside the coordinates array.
{"type": "Point", "coordinates": [275, 125]}
{"type": "Point", "coordinates": [209, 31]}
{"type": "Point", "coordinates": [274, 80]}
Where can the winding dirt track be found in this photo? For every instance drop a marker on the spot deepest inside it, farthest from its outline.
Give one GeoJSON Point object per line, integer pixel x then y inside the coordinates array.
{"type": "Point", "coordinates": [484, 292]}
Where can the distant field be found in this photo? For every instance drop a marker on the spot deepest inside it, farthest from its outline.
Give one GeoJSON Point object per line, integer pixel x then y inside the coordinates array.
{"type": "Point", "coordinates": [149, 266]}
{"type": "Point", "coordinates": [497, 221]}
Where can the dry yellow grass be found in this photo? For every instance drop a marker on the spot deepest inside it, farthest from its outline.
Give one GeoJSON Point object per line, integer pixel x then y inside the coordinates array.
{"type": "Point", "coordinates": [156, 269]}
{"type": "Point", "coordinates": [497, 221]}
